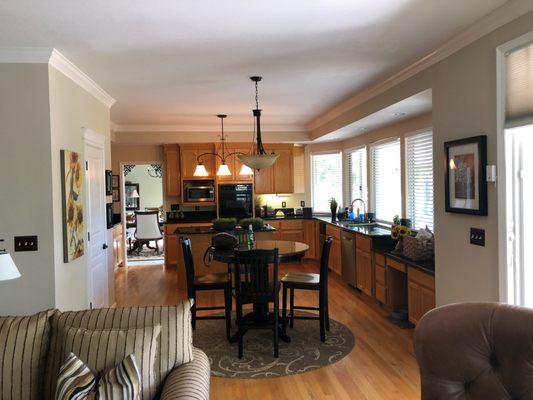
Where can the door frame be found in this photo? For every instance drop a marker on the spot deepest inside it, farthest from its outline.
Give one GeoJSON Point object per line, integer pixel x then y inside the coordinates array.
{"type": "Point", "coordinates": [123, 198]}
{"type": "Point", "coordinates": [501, 86]}
{"type": "Point", "coordinates": [97, 140]}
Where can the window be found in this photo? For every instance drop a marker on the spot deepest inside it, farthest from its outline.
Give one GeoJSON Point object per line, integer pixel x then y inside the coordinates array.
{"type": "Point", "coordinates": [355, 174]}
{"type": "Point", "coordinates": [419, 179]}
{"type": "Point", "coordinates": [386, 180]}
{"type": "Point", "coordinates": [326, 180]}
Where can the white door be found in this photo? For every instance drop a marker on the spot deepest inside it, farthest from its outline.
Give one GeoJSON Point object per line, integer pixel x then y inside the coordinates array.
{"type": "Point", "coordinates": [96, 220]}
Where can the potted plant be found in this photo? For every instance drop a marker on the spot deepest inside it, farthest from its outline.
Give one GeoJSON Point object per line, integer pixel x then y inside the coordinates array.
{"type": "Point", "coordinates": [333, 206]}
{"type": "Point", "coordinates": [257, 223]}
{"type": "Point", "coordinates": [224, 224]}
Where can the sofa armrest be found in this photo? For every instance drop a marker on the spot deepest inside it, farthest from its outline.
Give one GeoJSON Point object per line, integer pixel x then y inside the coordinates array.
{"type": "Point", "coordinates": [189, 381]}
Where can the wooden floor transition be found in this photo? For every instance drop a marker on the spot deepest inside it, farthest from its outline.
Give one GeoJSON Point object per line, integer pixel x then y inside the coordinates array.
{"type": "Point", "coordinates": [381, 366]}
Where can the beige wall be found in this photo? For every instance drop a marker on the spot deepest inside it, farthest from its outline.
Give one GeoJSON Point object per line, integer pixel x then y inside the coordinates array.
{"type": "Point", "coordinates": [26, 185]}
{"type": "Point", "coordinates": [72, 109]}
{"type": "Point", "coordinates": [464, 104]}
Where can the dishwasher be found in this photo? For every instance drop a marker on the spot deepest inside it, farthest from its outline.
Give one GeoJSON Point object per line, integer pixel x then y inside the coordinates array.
{"type": "Point", "coordinates": [348, 258]}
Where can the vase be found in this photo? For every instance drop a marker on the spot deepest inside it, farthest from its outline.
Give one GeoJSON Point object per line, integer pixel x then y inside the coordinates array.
{"type": "Point", "coordinates": [333, 216]}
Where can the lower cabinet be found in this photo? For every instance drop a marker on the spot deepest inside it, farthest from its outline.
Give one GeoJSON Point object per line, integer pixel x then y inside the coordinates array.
{"type": "Point", "coordinates": [305, 231]}
{"type": "Point", "coordinates": [380, 278]}
{"type": "Point", "coordinates": [420, 293]}
{"type": "Point", "coordinates": [363, 271]}
{"type": "Point", "coordinates": [310, 237]}
{"type": "Point", "coordinates": [171, 245]}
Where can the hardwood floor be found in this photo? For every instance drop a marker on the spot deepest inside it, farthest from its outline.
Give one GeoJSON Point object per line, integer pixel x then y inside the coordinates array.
{"type": "Point", "coordinates": [381, 366]}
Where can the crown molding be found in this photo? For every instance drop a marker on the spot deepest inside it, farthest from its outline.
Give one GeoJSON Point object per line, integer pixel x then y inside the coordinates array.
{"type": "Point", "coordinates": [54, 58]}
{"type": "Point", "coordinates": [205, 128]}
{"type": "Point", "coordinates": [64, 65]}
{"type": "Point", "coordinates": [497, 18]}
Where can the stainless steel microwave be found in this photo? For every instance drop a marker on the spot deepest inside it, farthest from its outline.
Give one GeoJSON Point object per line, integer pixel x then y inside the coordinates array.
{"type": "Point", "coordinates": [199, 191]}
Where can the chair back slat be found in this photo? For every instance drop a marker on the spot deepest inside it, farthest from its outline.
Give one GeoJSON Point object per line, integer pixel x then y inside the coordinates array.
{"type": "Point", "coordinates": [188, 261]}
{"type": "Point", "coordinates": [256, 275]}
{"type": "Point", "coordinates": [324, 260]}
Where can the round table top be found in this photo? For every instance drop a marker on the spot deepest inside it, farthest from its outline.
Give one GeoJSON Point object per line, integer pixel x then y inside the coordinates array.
{"type": "Point", "coordinates": [287, 250]}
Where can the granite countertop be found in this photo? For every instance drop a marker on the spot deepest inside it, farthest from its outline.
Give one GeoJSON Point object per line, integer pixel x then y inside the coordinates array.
{"type": "Point", "coordinates": [206, 231]}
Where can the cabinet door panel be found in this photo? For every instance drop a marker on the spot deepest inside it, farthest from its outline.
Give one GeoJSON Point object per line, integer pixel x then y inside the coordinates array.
{"type": "Point", "coordinates": [171, 249]}
{"type": "Point", "coordinates": [264, 181]}
{"type": "Point", "coordinates": [310, 238]}
{"type": "Point", "coordinates": [171, 168]}
{"type": "Point", "coordinates": [292, 235]}
{"type": "Point", "coordinates": [238, 165]}
{"type": "Point", "coordinates": [284, 172]}
{"type": "Point", "coordinates": [414, 302]}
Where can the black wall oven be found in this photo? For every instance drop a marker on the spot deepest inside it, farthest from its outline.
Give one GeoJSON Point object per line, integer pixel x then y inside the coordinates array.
{"type": "Point", "coordinates": [235, 201]}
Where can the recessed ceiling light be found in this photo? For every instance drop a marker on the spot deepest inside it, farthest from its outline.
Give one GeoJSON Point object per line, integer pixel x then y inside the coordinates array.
{"type": "Point", "coordinates": [399, 114]}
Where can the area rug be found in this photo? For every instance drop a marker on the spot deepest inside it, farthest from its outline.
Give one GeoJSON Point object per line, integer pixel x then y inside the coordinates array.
{"type": "Point", "coordinates": [305, 352]}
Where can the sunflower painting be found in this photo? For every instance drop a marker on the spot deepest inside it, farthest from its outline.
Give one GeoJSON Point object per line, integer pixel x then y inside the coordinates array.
{"type": "Point", "coordinates": [73, 217]}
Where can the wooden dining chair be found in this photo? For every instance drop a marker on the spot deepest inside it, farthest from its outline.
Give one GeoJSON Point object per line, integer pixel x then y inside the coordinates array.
{"type": "Point", "coordinates": [256, 282]}
{"type": "Point", "coordinates": [309, 281]}
{"type": "Point", "coordinates": [217, 281]}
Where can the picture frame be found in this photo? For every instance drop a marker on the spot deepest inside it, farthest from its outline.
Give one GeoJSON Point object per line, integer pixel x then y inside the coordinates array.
{"type": "Point", "coordinates": [72, 187]}
{"type": "Point", "coordinates": [465, 180]}
{"type": "Point", "coordinates": [115, 181]}
{"type": "Point", "coordinates": [116, 195]}
{"type": "Point", "coordinates": [108, 182]}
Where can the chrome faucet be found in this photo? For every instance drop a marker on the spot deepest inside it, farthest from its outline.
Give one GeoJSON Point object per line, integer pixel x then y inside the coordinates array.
{"type": "Point", "coordinates": [364, 207]}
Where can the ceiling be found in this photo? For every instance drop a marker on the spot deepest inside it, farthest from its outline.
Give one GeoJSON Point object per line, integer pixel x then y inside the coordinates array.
{"type": "Point", "coordinates": [410, 107]}
{"type": "Point", "coordinates": [181, 62]}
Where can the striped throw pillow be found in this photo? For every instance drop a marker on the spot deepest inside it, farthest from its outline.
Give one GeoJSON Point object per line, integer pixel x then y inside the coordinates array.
{"type": "Point", "coordinates": [122, 382]}
{"type": "Point", "coordinates": [24, 345]}
{"type": "Point", "coordinates": [75, 380]}
{"type": "Point", "coordinates": [103, 349]}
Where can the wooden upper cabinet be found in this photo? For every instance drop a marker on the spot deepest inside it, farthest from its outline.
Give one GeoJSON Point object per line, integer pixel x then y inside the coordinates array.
{"type": "Point", "coordinates": [299, 169]}
{"type": "Point", "coordinates": [189, 154]}
{"type": "Point", "coordinates": [284, 171]}
{"type": "Point", "coordinates": [233, 163]}
{"type": "Point", "coordinates": [280, 177]}
{"type": "Point", "coordinates": [171, 165]}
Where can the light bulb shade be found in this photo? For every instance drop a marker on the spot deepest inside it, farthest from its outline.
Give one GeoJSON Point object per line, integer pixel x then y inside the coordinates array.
{"type": "Point", "coordinates": [223, 170]}
{"type": "Point", "coordinates": [8, 269]}
{"type": "Point", "coordinates": [200, 170]}
{"type": "Point", "coordinates": [135, 194]}
{"type": "Point", "coordinates": [246, 170]}
{"type": "Point", "coordinates": [258, 161]}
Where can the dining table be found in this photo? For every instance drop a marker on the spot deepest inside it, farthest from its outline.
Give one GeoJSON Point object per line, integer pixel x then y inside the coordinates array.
{"type": "Point", "coordinates": [288, 251]}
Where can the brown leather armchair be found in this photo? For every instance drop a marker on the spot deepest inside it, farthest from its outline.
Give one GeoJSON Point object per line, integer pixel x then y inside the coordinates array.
{"type": "Point", "coordinates": [476, 351]}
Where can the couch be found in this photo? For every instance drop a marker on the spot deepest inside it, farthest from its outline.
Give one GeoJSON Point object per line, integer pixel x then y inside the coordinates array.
{"type": "Point", "coordinates": [476, 351]}
{"type": "Point", "coordinates": [29, 348]}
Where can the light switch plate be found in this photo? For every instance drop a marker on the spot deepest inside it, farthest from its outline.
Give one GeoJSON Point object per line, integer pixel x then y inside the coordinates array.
{"type": "Point", "coordinates": [477, 237]}
{"type": "Point", "coordinates": [26, 243]}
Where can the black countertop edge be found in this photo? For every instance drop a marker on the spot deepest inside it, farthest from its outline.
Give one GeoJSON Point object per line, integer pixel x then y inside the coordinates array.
{"type": "Point", "coordinates": [427, 266]}
{"type": "Point", "coordinates": [206, 231]}
{"type": "Point", "coordinates": [182, 221]}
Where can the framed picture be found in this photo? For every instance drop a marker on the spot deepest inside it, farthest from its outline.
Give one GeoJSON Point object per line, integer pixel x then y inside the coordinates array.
{"type": "Point", "coordinates": [72, 199]}
{"type": "Point", "coordinates": [131, 196]}
{"type": "Point", "coordinates": [115, 181]}
{"type": "Point", "coordinates": [116, 195]}
{"type": "Point", "coordinates": [108, 182]}
{"type": "Point", "coordinates": [466, 184]}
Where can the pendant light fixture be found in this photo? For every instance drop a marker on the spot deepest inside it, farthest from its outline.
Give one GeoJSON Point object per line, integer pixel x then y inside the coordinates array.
{"type": "Point", "coordinates": [258, 157]}
{"type": "Point", "coordinates": [223, 169]}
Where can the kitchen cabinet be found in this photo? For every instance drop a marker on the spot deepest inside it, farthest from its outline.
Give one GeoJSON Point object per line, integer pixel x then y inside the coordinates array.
{"type": "Point", "coordinates": [171, 245]}
{"type": "Point", "coordinates": [188, 157]}
{"type": "Point", "coordinates": [171, 169]}
{"type": "Point", "coordinates": [233, 163]}
{"type": "Point", "coordinates": [310, 235]}
{"type": "Point", "coordinates": [380, 278]}
{"type": "Point", "coordinates": [280, 177]}
{"type": "Point", "coordinates": [299, 169]}
{"type": "Point", "coordinates": [363, 261]}
{"type": "Point", "coordinates": [335, 256]}
{"type": "Point", "coordinates": [364, 271]}
{"type": "Point", "coordinates": [420, 293]}
{"type": "Point", "coordinates": [119, 254]}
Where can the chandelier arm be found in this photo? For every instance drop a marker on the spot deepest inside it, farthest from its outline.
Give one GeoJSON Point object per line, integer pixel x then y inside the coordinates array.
{"type": "Point", "coordinates": [206, 154]}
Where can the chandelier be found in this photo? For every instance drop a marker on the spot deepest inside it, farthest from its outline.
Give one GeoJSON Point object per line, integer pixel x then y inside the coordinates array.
{"type": "Point", "coordinates": [258, 157]}
{"type": "Point", "coordinates": [223, 169]}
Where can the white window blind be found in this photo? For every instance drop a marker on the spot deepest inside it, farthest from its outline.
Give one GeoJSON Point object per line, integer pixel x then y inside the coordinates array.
{"type": "Point", "coordinates": [355, 175]}
{"type": "Point", "coordinates": [386, 180]}
{"type": "Point", "coordinates": [326, 175]}
{"type": "Point", "coordinates": [519, 96]}
{"type": "Point", "coordinates": [419, 179]}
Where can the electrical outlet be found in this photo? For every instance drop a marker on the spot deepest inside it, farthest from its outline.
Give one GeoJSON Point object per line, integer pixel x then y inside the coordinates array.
{"type": "Point", "coordinates": [302, 203]}
{"type": "Point", "coordinates": [283, 204]}
{"type": "Point", "coordinates": [25, 243]}
{"type": "Point", "coordinates": [477, 236]}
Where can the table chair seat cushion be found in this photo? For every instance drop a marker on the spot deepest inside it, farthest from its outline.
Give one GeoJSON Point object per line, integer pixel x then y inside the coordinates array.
{"type": "Point", "coordinates": [301, 278]}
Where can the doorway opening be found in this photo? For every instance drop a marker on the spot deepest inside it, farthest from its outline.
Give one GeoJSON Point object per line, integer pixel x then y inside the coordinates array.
{"type": "Point", "coordinates": [143, 213]}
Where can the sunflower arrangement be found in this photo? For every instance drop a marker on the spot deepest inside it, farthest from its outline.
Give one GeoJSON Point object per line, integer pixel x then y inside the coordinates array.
{"type": "Point", "coordinates": [398, 231]}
